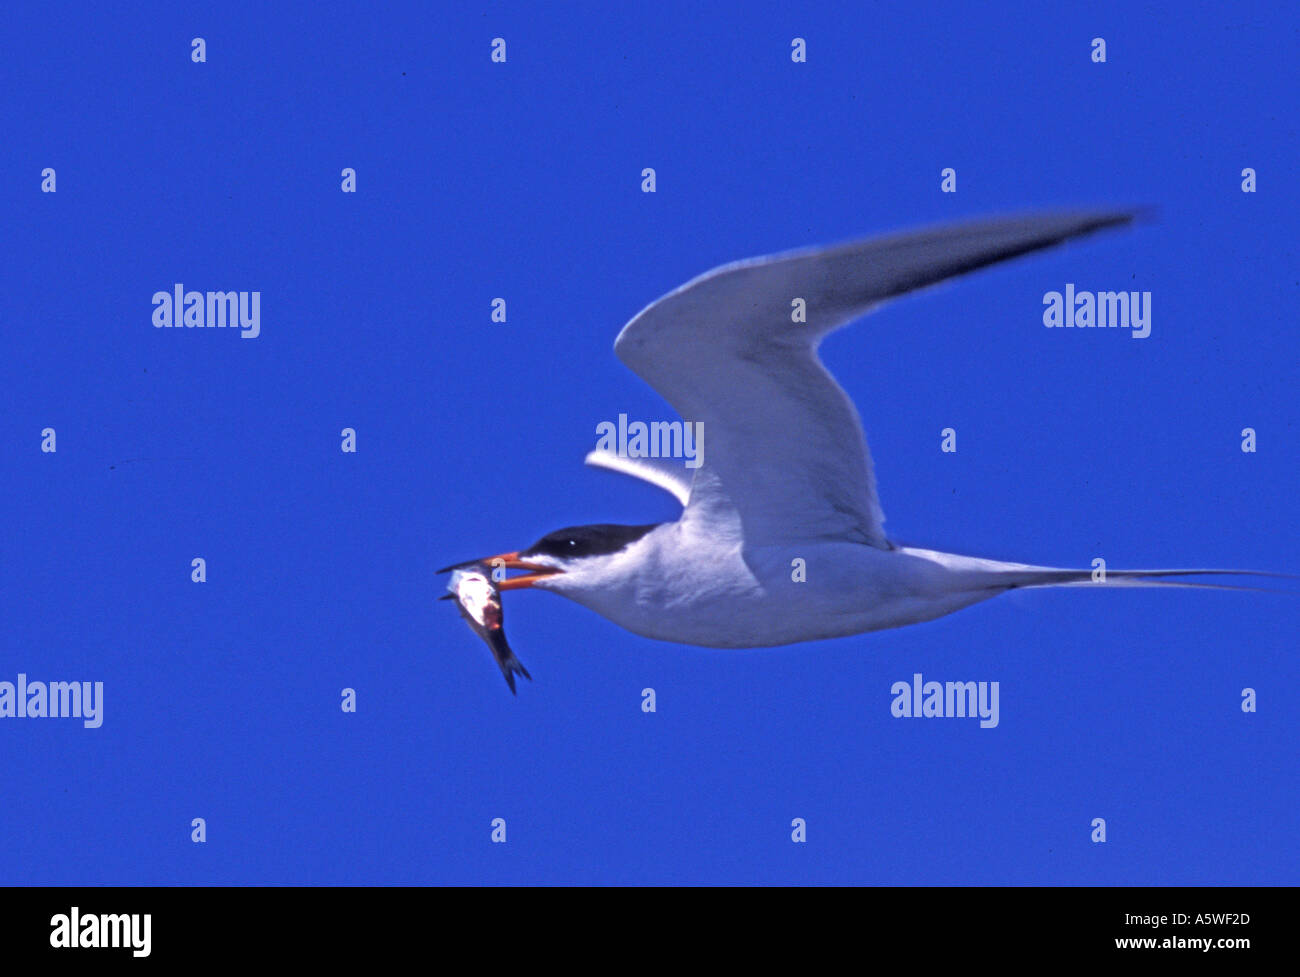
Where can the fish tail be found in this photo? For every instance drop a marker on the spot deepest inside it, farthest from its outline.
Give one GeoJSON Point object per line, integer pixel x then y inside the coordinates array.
{"type": "Point", "coordinates": [510, 665]}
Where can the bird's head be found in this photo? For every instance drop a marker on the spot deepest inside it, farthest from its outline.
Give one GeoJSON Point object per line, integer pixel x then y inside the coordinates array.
{"type": "Point", "coordinates": [570, 550]}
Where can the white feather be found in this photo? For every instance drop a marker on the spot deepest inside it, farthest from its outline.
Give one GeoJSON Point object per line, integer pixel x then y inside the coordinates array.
{"type": "Point", "coordinates": [669, 476]}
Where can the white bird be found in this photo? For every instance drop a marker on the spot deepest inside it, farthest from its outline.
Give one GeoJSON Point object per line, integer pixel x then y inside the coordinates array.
{"type": "Point", "coordinates": [785, 473]}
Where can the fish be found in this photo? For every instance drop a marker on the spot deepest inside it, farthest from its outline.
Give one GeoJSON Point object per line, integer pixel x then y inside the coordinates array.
{"type": "Point", "coordinates": [479, 601]}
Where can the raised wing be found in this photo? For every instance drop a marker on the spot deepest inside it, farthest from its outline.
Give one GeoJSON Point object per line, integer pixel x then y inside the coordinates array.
{"type": "Point", "coordinates": [672, 478]}
{"type": "Point", "coordinates": [783, 443]}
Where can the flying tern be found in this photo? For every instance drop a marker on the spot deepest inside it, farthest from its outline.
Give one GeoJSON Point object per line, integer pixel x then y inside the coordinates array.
{"type": "Point", "coordinates": [785, 473]}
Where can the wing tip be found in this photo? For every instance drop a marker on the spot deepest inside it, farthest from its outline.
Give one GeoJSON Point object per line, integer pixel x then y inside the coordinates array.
{"type": "Point", "coordinates": [1100, 220]}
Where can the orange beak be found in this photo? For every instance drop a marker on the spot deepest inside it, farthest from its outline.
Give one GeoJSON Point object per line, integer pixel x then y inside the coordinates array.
{"type": "Point", "coordinates": [511, 561]}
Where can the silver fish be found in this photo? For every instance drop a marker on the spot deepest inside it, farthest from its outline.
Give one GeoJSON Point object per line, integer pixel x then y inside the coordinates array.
{"type": "Point", "coordinates": [480, 604]}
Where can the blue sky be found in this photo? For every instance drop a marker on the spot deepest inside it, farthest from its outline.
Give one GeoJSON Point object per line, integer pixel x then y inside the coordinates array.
{"type": "Point", "coordinates": [522, 180]}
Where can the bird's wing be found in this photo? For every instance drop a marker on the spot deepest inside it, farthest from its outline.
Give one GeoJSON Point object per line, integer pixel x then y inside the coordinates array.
{"type": "Point", "coordinates": [670, 477]}
{"type": "Point", "coordinates": [782, 441]}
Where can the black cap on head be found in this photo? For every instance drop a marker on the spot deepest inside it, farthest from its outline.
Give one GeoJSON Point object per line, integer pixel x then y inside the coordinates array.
{"type": "Point", "coordinates": [579, 541]}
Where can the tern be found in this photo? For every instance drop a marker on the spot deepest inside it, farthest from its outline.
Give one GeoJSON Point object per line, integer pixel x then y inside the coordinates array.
{"type": "Point", "coordinates": [781, 537]}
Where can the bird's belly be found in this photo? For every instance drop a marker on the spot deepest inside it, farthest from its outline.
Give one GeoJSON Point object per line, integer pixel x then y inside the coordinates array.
{"type": "Point", "coordinates": [771, 598]}
{"type": "Point", "coordinates": [751, 624]}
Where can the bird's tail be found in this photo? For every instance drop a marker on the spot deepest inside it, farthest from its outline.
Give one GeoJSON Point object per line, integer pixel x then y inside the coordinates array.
{"type": "Point", "coordinates": [1010, 576]}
